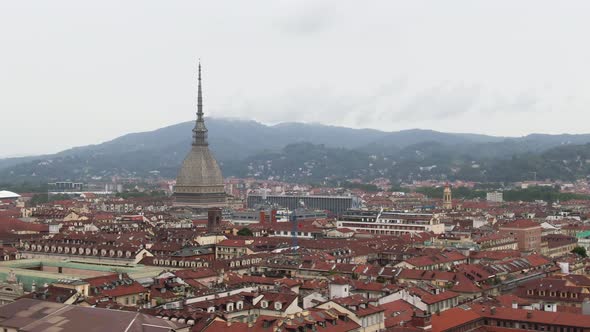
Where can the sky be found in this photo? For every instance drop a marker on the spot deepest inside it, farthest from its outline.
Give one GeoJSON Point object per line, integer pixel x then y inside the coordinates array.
{"type": "Point", "coordinates": [82, 72]}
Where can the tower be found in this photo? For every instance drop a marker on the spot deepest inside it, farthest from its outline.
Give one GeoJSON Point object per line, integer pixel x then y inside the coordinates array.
{"type": "Point", "coordinates": [447, 198]}
{"type": "Point", "coordinates": [199, 183]}
{"type": "Point", "coordinates": [214, 220]}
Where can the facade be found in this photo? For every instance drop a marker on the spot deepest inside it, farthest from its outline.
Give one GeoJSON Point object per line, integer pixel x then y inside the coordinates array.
{"type": "Point", "coordinates": [65, 187]}
{"type": "Point", "coordinates": [497, 242]}
{"type": "Point", "coordinates": [230, 249]}
{"type": "Point", "coordinates": [557, 245]}
{"type": "Point", "coordinates": [526, 232]}
{"type": "Point", "coordinates": [199, 183]}
{"type": "Point", "coordinates": [336, 204]}
{"type": "Point", "coordinates": [391, 223]}
{"type": "Point", "coordinates": [495, 196]}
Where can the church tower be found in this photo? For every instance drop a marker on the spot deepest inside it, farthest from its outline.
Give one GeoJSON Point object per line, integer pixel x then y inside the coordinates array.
{"type": "Point", "coordinates": [447, 198]}
{"type": "Point", "coordinates": [199, 183]}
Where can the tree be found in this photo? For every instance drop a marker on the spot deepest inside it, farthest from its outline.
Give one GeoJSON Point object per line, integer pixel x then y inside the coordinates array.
{"type": "Point", "coordinates": [245, 232]}
{"type": "Point", "coordinates": [580, 251]}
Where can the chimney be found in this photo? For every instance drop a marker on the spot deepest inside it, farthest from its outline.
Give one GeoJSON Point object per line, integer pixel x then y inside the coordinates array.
{"type": "Point", "coordinates": [493, 310]}
{"type": "Point", "coordinates": [514, 305]}
{"type": "Point", "coordinates": [529, 315]}
{"type": "Point", "coordinates": [273, 216]}
{"type": "Point", "coordinates": [421, 320]}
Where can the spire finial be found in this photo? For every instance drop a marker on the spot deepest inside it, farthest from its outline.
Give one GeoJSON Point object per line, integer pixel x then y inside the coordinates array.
{"type": "Point", "coordinates": [200, 96]}
{"type": "Point", "coordinates": [200, 131]}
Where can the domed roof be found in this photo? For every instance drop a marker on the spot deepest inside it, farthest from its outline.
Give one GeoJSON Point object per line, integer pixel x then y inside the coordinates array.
{"type": "Point", "coordinates": [199, 168]}
{"type": "Point", "coordinates": [8, 194]}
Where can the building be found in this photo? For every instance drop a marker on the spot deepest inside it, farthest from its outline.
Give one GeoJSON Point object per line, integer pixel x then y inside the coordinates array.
{"type": "Point", "coordinates": [65, 187]}
{"type": "Point", "coordinates": [497, 241]}
{"type": "Point", "coordinates": [447, 198]}
{"type": "Point", "coordinates": [557, 245]}
{"type": "Point", "coordinates": [526, 232]}
{"type": "Point", "coordinates": [483, 318]}
{"type": "Point", "coordinates": [335, 204]}
{"type": "Point", "coordinates": [36, 315]}
{"type": "Point", "coordinates": [230, 249]}
{"type": "Point", "coordinates": [199, 184]}
{"type": "Point", "coordinates": [391, 223]}
{"type": "Point", "coordinates": [495, 196]}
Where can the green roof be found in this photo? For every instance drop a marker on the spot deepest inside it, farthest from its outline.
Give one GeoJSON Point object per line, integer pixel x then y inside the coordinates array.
{"type": "Point", "coordinates": [28, 270]}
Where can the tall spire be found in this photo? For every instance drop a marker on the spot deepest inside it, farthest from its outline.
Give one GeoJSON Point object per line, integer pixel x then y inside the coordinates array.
{"type": "Point", "coordinates": [200, 97]}
{"type": "Point", "coordinates": [200, 131]}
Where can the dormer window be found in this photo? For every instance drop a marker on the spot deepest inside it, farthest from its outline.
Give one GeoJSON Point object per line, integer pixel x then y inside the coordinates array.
{"type": "Point", "coordinates": [240, 305]}
{"type": "Point", "coordinates": [230, 307]}
{"type": "Point", "coordinates": [264, 304]}
{"type": "Point", "coordinates": [278, 305]}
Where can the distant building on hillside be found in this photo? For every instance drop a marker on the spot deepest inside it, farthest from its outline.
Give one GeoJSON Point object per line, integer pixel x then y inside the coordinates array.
{"type": "Point", "coordinates": [495, 196]}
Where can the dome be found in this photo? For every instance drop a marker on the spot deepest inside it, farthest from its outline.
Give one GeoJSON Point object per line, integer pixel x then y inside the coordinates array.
{"type": "Point", "coordinates": [4, 194]}
{"type": "Point", "coordinates": [199, 169]}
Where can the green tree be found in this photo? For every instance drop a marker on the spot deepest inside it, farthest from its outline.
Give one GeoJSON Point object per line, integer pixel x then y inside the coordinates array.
{"type": "Point", "coordinates": [245, 232]}
{"type": "Point", "coordinates": [580, 251]}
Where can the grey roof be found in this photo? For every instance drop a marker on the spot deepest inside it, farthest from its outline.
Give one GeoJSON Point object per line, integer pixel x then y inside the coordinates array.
{"type": "Point", "coordinates": [199, 168]}
{"type": "Point", "coordinates": [36, 316]}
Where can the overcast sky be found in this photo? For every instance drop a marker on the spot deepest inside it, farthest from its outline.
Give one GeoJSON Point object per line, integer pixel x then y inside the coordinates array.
{"type": "Point", "coordinates": [82, 72]}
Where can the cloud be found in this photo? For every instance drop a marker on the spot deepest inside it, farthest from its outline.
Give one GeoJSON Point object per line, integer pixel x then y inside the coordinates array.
{"type": "Point", "coordinates": [304, 18]}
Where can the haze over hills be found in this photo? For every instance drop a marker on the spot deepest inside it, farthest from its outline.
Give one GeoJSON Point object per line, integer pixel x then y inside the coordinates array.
{"type": "Point", "coordinates": [313, 152]}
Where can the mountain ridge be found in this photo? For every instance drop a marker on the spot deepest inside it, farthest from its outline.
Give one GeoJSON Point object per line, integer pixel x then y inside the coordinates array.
{"type": "Point", "coordinates": [235, 140]}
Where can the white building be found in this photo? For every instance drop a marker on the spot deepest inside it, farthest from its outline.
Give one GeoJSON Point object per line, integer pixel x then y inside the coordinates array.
{"type": "Point", "coordinates": [495, 196]}
{"type": "Point", "coordinates": [391, 223]}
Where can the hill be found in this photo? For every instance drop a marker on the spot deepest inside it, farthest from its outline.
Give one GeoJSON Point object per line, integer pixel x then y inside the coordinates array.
{"type": "Point", "coordinates": [331, 152]}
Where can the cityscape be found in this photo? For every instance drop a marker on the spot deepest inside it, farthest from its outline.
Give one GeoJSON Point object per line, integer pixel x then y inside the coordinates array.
{"type": "Point", "coordinates": [302, 223]}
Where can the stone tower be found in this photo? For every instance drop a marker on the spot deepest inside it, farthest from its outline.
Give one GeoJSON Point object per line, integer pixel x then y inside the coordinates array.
{"type": "Point", "coordinates": [447, 198]}
{"type": "Point", "coordinates": [199, 183]}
